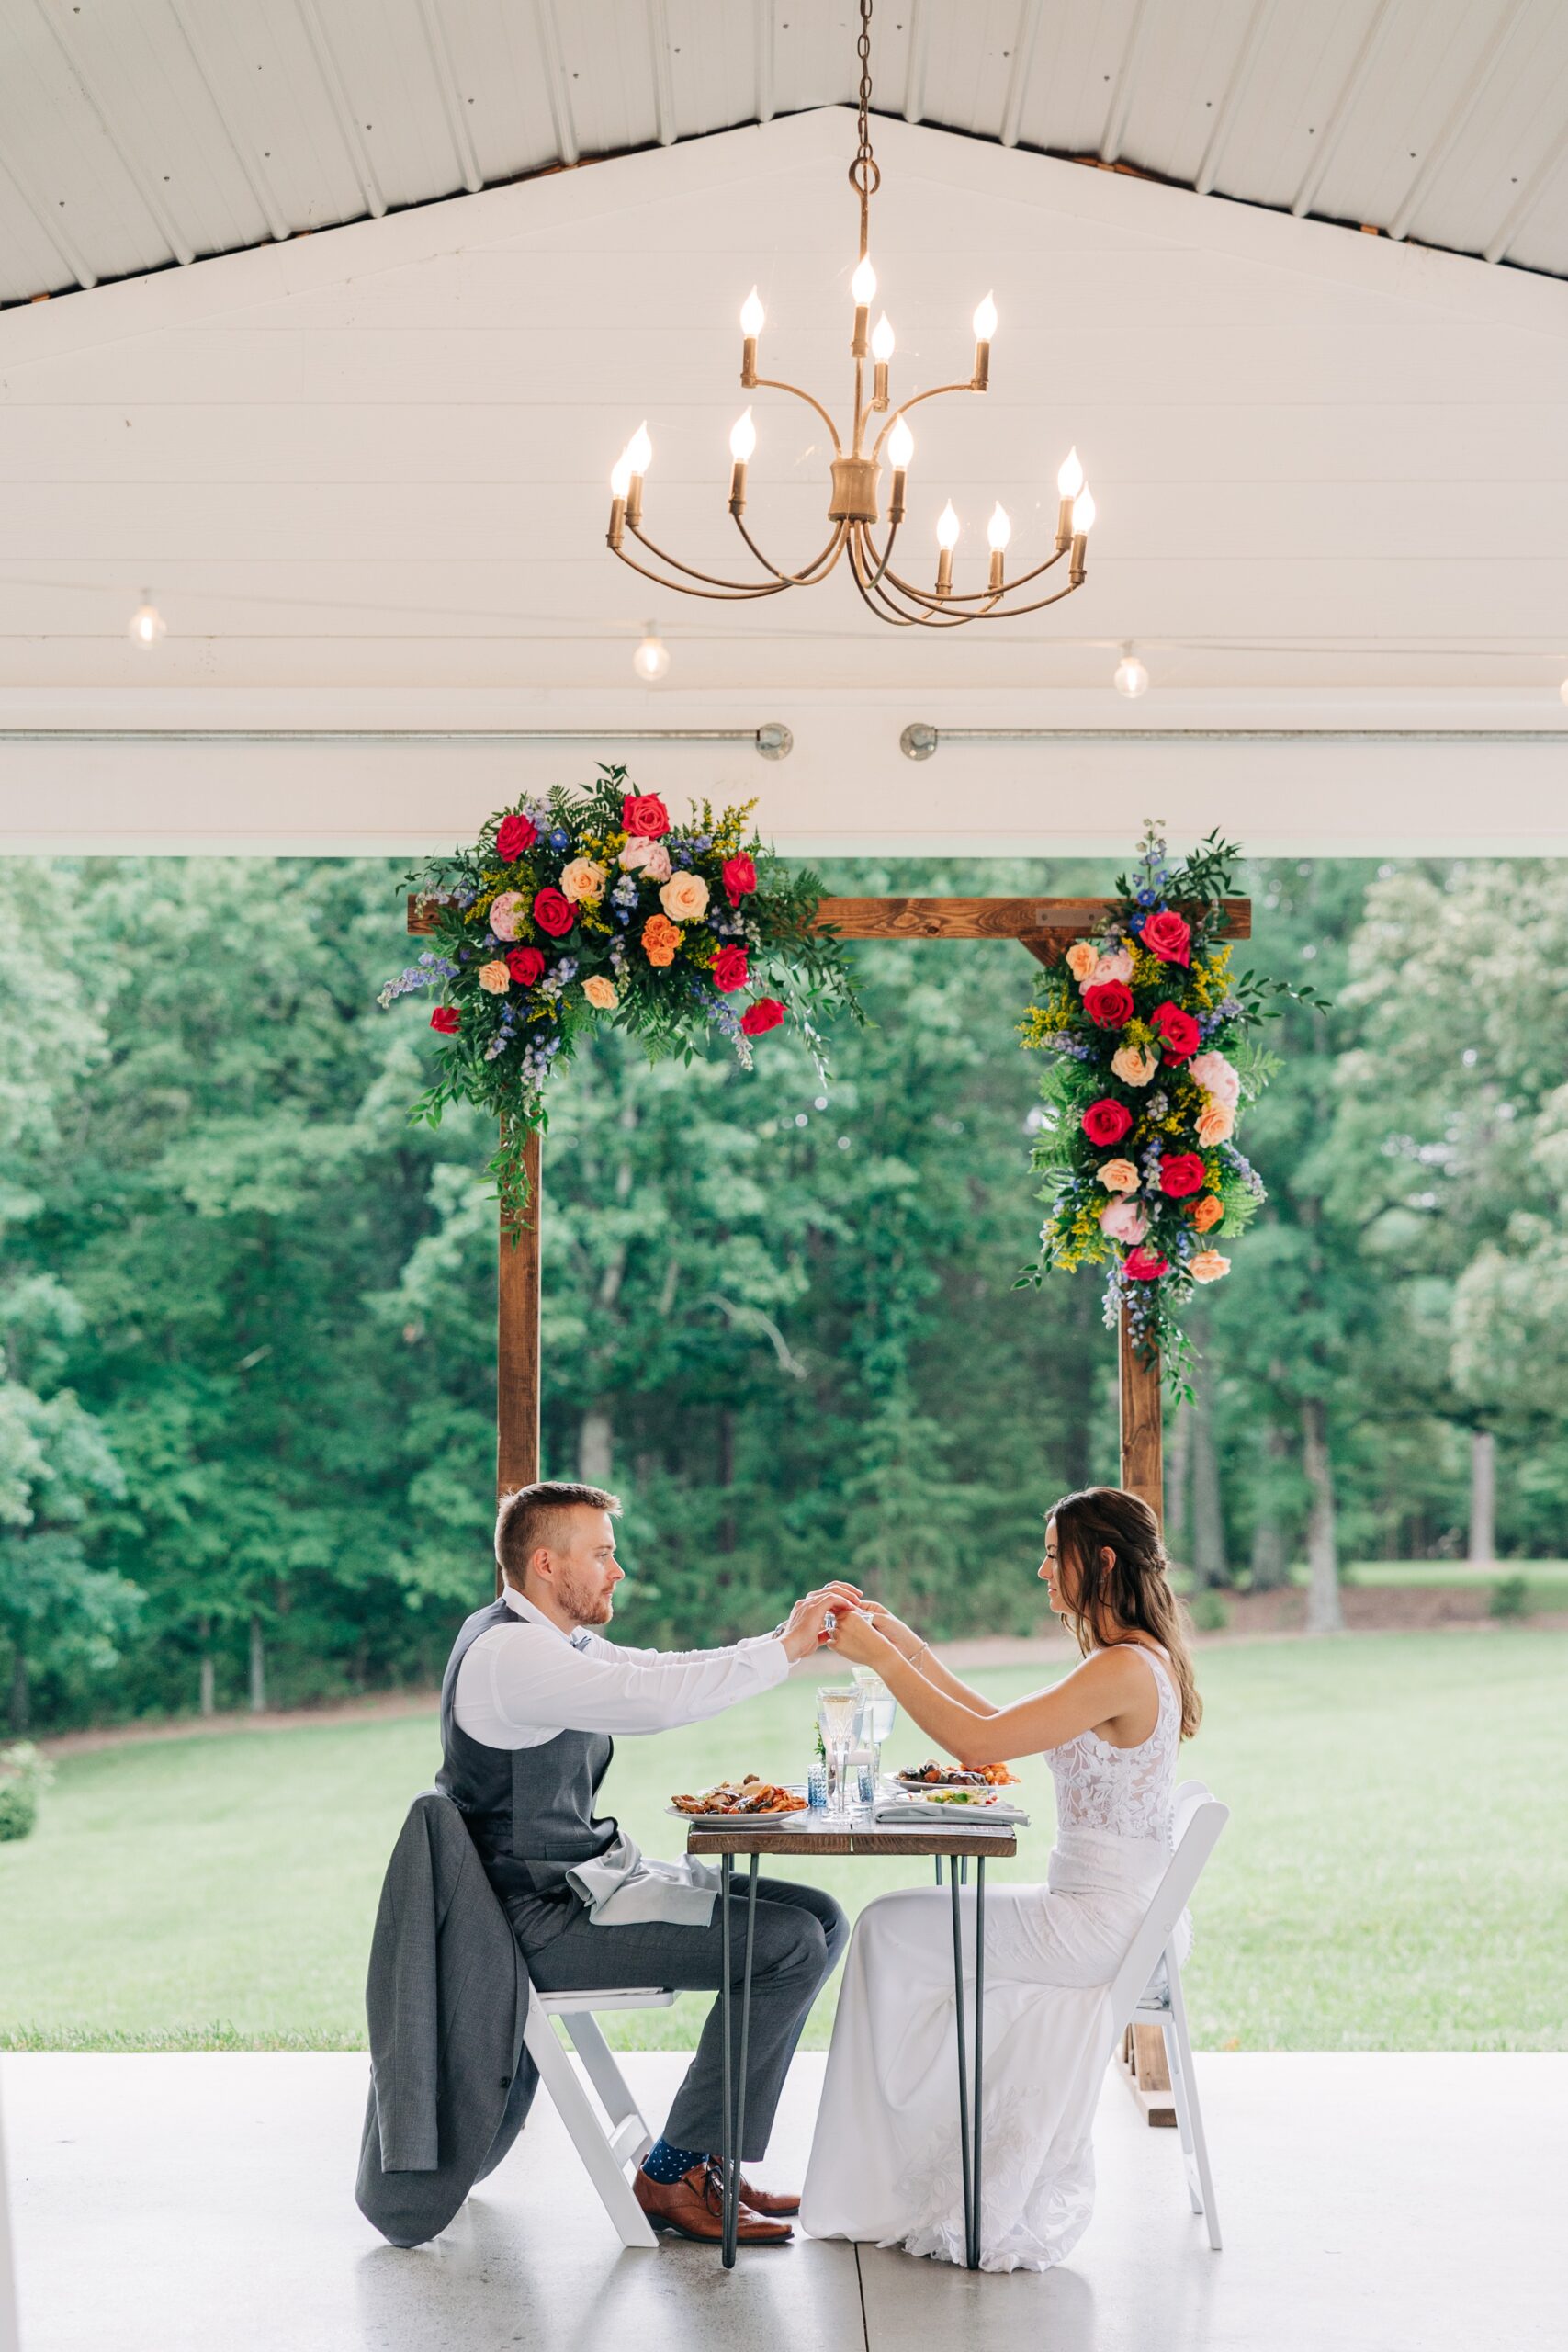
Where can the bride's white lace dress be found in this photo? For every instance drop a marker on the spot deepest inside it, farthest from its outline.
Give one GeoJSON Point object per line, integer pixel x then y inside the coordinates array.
{"type": "Point", "coordinates": [885, 2162]}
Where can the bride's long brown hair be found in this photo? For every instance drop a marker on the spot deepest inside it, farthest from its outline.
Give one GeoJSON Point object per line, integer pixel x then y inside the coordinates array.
{"type": "Point", "coordinates": [1134, 1590]}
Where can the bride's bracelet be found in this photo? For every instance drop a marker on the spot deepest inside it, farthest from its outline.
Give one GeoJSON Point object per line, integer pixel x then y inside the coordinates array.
{"type": "Point", "coordinates": [919, 1651]}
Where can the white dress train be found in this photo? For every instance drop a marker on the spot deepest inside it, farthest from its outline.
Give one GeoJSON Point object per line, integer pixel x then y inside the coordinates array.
{"type": "Point", "coordinates": [885, 2166]}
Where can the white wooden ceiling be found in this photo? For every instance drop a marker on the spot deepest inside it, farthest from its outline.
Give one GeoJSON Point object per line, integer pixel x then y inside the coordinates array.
{"type": "Point", "coordinates": [135, 134]}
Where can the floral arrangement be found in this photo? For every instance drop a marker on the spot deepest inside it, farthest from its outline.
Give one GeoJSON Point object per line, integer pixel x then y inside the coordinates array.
{"type": "Point", "coordinates": [1152, 1062]}
{"type": "Point", "coordinates": [592, 905]}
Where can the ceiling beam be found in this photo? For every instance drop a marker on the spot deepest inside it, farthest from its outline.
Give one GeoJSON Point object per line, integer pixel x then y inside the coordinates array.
{"type": "Point", "coordinates": [1344, 106]}
{"type": "Point", "coordinates": [1448, 137]}
{"type": "Point", "coordinates": [1235, 91]}
{"type": "Point", "coordinates": [557, 90]}
{"type": "Point", "coordinates": [342, 107]}
{"type": "Point", "coordinates": [1126, 83]}
{"type": "Point", "coordinates": [458, 130]}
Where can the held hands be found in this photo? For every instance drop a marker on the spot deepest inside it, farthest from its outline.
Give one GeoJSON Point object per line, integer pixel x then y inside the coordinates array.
{"type": "Point", "coordinates": [806, 1626]}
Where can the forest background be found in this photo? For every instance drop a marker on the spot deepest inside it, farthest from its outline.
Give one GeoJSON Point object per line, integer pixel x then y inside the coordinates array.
{"type": "Point", "coordinates": [246, 1311]}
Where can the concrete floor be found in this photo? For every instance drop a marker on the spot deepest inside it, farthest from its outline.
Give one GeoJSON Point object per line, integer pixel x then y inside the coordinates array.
{"type": "Point", "coordinates": [1370, 2203]}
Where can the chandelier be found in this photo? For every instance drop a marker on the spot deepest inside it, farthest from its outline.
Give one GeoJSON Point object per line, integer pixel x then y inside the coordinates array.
{"type": "Point", "coordinates": [854, 506]}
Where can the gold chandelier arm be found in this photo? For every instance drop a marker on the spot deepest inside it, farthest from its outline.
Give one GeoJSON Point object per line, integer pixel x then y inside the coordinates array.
{"type": "Point", "coordinates": [877, 597]}
{"type": "Point", "coordinates": [914, 402]}
{"type": "Point", "coordinates": [727, 587]}
{"type": "Point", "coordinates": [986, 597]}
{"type": "Point", "coordinates": [868, 550]}
{"type": "Point", "coordinates": [997, 609]}
{"type": "Point", "coordinates": [818, 568]}
{"type": "Point", "coordinates": [774, 384]}
{"type": "Point", "coordinates": [718, 596]}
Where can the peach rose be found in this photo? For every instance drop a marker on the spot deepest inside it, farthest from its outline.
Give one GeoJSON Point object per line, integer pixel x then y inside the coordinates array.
{"type": "Point", "coordinates": [1219, 1079]}
{"type": "Point", "coordinates": [1214, 1124]}
{"type": "Point", "coordinates": [643, 856]}
{"type": "Point", "coordinates": [1119, 1176]}
{"type": "Point", "coordinates": [1134, 1065]}
{"type": "Point", "coordinates": [506, 912]}
{"type": "Point", "coordinates": [659, 940]}
{"type": "Point", "coordinates": [600, 993]}
{"type": "Point", "coordinates": [685, 897]}
{"type": "Point", "coordinates": [1116, 966]}
{"type": "Point", "coordinates": [495, 978]}
{"type": "Point", "coordinates": [1124, 1221]}
{"type": "Point", "coordinates": [1207, 1212]}
{"type": "Point", "coordinates": [1082, 958]}
{"type": "Point", "coordinates": [1208, 1266]}
{"type": "Point", "coordinates": [584, 881]}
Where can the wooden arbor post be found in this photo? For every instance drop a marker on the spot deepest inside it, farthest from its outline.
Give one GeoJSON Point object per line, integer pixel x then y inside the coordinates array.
{"type": "Point", "coordinates": [1047, 927]}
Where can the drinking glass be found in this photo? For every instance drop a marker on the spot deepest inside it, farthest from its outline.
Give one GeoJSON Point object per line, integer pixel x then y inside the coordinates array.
{"type": "Point", "coordinates": [879, 1712]}
{"type": "Point", "coordinates": [838, 1715]}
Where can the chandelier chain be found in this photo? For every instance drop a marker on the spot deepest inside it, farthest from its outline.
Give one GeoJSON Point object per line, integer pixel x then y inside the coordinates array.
{"type": "Point", "coordinates": [865, 175]}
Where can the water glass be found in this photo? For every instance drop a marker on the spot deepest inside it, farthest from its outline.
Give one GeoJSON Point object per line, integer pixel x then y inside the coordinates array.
{"type": "Point", "coordinates": [838, 1716]}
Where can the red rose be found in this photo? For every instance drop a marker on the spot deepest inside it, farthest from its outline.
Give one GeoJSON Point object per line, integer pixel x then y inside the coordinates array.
{"type": "Point", "coordinates": [1178, 1029]}
{"type": "Point", "coordinates": [1166, 934]}
{"type": "Point", "coordinates": [1141, 1265]}
{"type": "Point", "coordinates": [740, 879]}
{"type": "Point", "coordinates": [514, 835]}
{"type": "Point", "coordinates": [766, 1013]}
{"type": "Point", "coordinates": [1105, 1122]}
{"type": "Point", "coordinates": [1108, 1006]}
{"type": "Point", "coordinates": [1182, 1173]}
{"type": "Point", "coordinates": [525, 963]}
{"type": "Point", "coordinates": [731, 971]}
{"type": "Point", "coordinates": [645, 816]}
{"type": "Point", "coordinates": [557, 914]}
{"type": "Point", "coordinates": [446, 1018]}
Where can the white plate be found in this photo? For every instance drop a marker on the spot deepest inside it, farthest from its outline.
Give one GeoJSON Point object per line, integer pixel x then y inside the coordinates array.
{"type": "Point", "coordinates": [729, 1820]}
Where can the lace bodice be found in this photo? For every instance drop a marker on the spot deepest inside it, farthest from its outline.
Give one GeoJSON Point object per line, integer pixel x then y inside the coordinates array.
{"type": "Point", "coordinates": [1123, 1791]}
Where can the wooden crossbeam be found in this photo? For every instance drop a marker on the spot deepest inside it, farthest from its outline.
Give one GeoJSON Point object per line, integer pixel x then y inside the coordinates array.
{"type": "Point", "coordinates": [1046, 927]}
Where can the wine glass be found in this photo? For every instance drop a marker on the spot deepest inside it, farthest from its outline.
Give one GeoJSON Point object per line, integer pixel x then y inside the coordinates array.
{"type": "Point", "coordinates": [838, 1718]}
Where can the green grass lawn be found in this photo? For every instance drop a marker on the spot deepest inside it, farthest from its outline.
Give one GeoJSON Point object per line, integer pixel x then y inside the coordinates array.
{"type": "Point", "coordinates": [1394, 1874]}
{"type": "Point", "coordinates": [1547, 1579]}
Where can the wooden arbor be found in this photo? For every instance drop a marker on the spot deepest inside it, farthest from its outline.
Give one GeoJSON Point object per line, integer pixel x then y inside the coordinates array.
{"type": "Point", "coordinates": [1047, 928]}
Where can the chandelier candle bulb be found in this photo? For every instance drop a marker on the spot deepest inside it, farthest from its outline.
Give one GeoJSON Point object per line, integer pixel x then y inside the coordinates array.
{"type": "Point", "coordinates": [863, 287]}
{"type": "Point", "coordinates": [881, 352]}
{"type": "Point", "coordinates": [638, 457]}
{"type": "Point", "coordinates": [985, 327]}
{"type": "Point", "coordinates": [742, 442]}
{"type": "Point", "coordinates": [900, 450]}
{"type": "Point", "coordinates": [1069, 481]}
{"type": "Point", "coordinates": [752, 318]}
{"type": "Point", "coordinates": [1083, 523]}
{"type": "Point", "coordinates": [620, 483]}
{"type": "Point", "coordinates": [947, 528]}
{"type": "Point", "coordinates": [998, 531]}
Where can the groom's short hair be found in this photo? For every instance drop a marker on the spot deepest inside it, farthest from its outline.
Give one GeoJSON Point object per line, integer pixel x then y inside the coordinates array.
{"type": "Point", "coordinates": [531, 1516]}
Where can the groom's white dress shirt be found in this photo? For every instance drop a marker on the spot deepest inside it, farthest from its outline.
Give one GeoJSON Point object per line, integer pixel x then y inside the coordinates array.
{"type": "Point", "coordinates": [522, 1684]}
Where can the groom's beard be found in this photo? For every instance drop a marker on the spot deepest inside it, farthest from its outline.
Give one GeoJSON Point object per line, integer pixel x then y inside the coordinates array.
{"type": "Point", "coordinates": [586, 1603]}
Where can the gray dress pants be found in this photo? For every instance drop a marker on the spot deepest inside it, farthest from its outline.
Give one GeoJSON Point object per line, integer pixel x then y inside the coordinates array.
{"type": "Point", "coordinates": [801, 1934]}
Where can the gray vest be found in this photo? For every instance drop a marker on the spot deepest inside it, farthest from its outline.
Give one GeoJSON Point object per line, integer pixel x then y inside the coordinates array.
{"type": "Point", "coordinates": [529, 1810]}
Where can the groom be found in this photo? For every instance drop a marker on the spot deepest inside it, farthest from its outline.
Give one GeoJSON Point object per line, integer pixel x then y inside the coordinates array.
{"type": "Point", "coordinates": [531, 1697]}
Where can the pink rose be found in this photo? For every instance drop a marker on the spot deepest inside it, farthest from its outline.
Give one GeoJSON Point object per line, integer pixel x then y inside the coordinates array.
{"type": "Point", "coordinates": [1218, 1079]}
{"type": "Point", "coordinates": [1114, 964]}
{"type": "Point", "coordinates": [1124, 1221]}
{"type": "Point", "coordinates": [506, 914]}
{"type": "Point", "coordinates": [1166, 934]}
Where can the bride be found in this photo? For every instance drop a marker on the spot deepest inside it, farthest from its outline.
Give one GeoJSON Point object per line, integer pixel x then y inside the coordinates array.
{"type": "Point", "coordinates": [885, 2162]}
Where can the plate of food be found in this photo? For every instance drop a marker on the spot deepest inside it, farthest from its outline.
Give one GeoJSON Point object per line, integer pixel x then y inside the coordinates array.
{"type": "Point", "coordinates": [923, 1778]}
{"type": "Point", "coordinates": [727, 1799]}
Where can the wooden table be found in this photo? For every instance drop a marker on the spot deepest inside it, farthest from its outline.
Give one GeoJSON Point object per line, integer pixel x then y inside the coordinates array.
{"type": "Point", "coordinates": [762, 1836]}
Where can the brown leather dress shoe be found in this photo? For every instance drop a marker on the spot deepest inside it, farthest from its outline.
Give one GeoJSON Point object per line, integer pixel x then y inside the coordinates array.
{"type": "Point", "coordinates": [692, 2206]}
{"type": "Point", "coordinates": [769, 2200]}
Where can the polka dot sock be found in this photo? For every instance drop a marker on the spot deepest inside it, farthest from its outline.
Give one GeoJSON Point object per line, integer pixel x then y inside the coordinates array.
{"type": "Point", "coordinates": [667, 2164]}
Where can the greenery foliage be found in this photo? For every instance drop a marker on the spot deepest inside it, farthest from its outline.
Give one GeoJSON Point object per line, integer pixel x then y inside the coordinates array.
{"type": "Point", "coordinates": [247, 1310]}
{"type": "Point", "coordinates": [23, 1773]}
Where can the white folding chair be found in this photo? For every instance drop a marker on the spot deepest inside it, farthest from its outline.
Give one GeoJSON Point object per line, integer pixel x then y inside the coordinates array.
{"type": "Point", "coordinates": [623, 2138]}
{"type": "Point", "coordinates": [1147, 1987]}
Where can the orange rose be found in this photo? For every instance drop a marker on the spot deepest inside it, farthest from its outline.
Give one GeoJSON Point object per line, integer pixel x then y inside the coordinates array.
{"type": "Point", "coordinates": [1208, 1266]}
{"type": "Point", "coordinates": [1119, 1176]}
{"type": "Point", "coordinates": [1082, 958]}
{"type": "Point", "coordinates": [494, 978]}
{"type": "Point", "coordinates": [659, 939]}
{"type": "Point", "coordinates": [1207, 1212]}
{"type": "Point", "coordinates": [1215, 1123]}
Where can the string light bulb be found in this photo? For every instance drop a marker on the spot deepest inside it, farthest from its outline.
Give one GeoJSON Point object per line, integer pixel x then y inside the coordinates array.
{"type": "Point", "coordinates": [146, 626]}
{"type": "Point", "coordinates": [1132, 678]}
{"type": "Point", "coordinates": [652, 658]}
